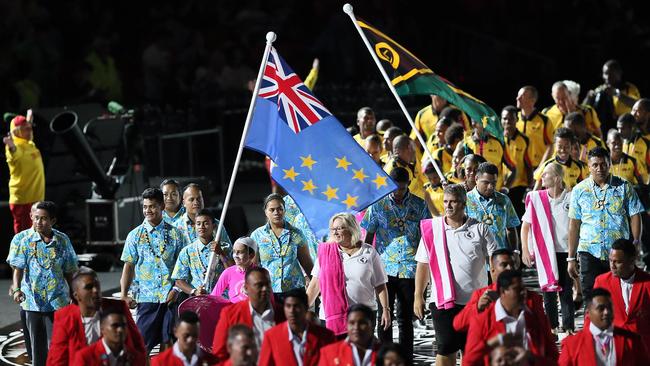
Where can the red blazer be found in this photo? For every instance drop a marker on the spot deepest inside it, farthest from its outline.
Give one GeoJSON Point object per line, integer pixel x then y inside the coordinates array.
{"type": "Point", "coordinates": [238, 313]}
{"type": "Point", "coordinates": [541, 343]}
{"type": "Point", "coordinates": [278, 350]}
{"type": "Point", "coordinates": [95, 355]}
{"type": "Point", "coordinates": [168, 358]}
{"type": "Point", "coordinates": [534, 302]}
{"type": "Point", "coordinates": [69, 335]}
{"type": "Point", "coordinates": [578, 349]}
{"type": "Point", "coordinates": [340, 354]}
{"type": "Point", "coordinates": [638, 318]}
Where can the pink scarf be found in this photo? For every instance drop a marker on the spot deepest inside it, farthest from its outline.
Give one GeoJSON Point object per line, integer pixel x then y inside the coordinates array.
{"type": "Point", "coordinates": [541, 236]}
{"type": "Point", "coordinates": [332, 287]}
{"type": "Point", "coordinates": [444, 293]}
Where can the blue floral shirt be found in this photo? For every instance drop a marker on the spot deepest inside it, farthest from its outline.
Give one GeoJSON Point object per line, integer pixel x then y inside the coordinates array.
{"type": "Point", "coordinates": [153, 251]}
{"type": "Point", "coordinates": [397, 245]}
{"type": "Point", "coordinates": [603, 224]}
{"type": "Point", "coordinates": [295, 217]}
{"type": "Point", "coordinates": [177, 217]}
{"type": "Point", "coordinates": [497, 209]}
{"type": "Point", "coordinates": [193, 261]}
{"type": "Point", "coordinates": [45, 266]}
{"type": "Point", "coordinates": [279, 255]}
{"type": "Point", "coordinates": [186, 226]}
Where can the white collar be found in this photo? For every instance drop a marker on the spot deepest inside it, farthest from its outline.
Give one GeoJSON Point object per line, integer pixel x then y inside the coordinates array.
{"type": "Point", "coordinates": [302, 340]}
{"type": "Point", "coordinates": [500, 313]}
{"type": "Point", "coordinates": [629, 280]}
{"type": "Point", "coordinates": [109, 352]}
{"type": "Point", "coordinates": [181, 356]}
{"type": "Point", "coordinates": [596, 332]}
{"type": "Point", "coordinates": [268, 314]}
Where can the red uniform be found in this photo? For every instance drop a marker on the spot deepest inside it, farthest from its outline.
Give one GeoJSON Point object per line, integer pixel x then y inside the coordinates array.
{"type": "Point", "coordinates": [69, 336]}
{"type": "Point", "coordinates": [540, 341]}
{"type": "Point", "coordinates": [277, 349]}
{"type": "Point", "coordinates": [340, 354]}
{"type": "Point", "coordinates": [238, 313]}
{"type": "Point", "coordinates": [637, 319]}
{"type": "Point", "coordinates": [461, 322]}
{"type": "Point", "coordinates": [95, 355]}
{"type": "Point", "coordinates": [168, 358]}
{"type": "Point", "coordinates": [579, 350]}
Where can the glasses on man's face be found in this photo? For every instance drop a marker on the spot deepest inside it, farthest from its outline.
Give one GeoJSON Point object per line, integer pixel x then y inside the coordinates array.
{"type": "Point", "coordinates": [337, 229]}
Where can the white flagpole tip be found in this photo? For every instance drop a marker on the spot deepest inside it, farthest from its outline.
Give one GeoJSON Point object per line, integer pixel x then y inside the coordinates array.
{"type": "Point", "coordinates": [271, 37]}
{"type": "Point", "coordinates": [347, 8]}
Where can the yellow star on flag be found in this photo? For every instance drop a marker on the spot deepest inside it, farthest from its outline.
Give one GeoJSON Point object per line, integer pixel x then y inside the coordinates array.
{"type": "Point", "coordinates": [350, 201]}
{"type": "Point", "coordinates": [330, 193]}
{"type": "Point", "coordinates": [290, 174]}
{"type": "Point", "coordinates": [308, 186]}
{"type": "Point", "coordinates": [343, 163]}
{"type": "Point", "coordinates": [358, 174]}
{"type": "Point", "coordinates": [380, 181]}
{"type": "Point", "coordinates": [307, 161]}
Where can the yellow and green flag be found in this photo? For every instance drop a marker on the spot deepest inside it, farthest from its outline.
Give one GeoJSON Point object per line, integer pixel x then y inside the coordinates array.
{"type": "Point", "coordinates": [410, 76]}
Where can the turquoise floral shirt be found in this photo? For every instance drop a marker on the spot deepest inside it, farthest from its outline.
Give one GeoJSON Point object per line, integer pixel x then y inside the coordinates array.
{"type": "Point", "coordinates": [603, 224]}
{"type": "Point", "coordinates": [186, 226]}
{"type": "Point", "coordinates": [498, 209]}
{"type": "Point", "coordinates": [294, 216]}
{"type": "Point", "coordinates": [397, 243]}
{"type": "Point", "coordinates": [280, 256]}
{"type": "Point", "coordinates": [153, 251]}
{"type": "Point", "coordinates": [177, 217]}
{"type": "Point", "coordinates": [45, 266]}
{"type": "Point", "coordinates": [193, 262]}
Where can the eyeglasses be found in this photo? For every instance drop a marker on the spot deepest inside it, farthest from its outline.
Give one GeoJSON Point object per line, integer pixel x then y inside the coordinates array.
{"type": "Point", "coordinates": [337, 229]}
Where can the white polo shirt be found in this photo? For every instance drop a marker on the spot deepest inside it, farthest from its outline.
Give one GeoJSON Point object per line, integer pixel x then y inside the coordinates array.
{"type": "Point", "coordinates": [560, 213]}
{"type": "Point", "coordinates": [364, 271]}
{"type": "Point", "coordinates": [469, 246]}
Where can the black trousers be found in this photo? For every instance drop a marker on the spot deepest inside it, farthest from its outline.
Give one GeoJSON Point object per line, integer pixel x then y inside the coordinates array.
{"type": "Point", "coordinates": [566, 297]}
{"type": "Point", "coordinates": [404, 290]}
{"type": "Point", "coordinates": [516, 196]}
{"type": "Point", "coordinates": [590, 268]}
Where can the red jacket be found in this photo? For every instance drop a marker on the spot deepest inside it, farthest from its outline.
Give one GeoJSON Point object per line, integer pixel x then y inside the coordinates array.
{"type": "Point", "coordinates": [534, 301]}
{"type": "Point", "coordinates": [340, 354]}
{"type": "Point", "coordinates": [238, 313]}
{"type": "Point", "coordinates": [540, 342]}
{"type": "Point", "coordinates": [95, 355]}
{"type": "Point", "coordinates": [69, 335]}
{"type": "Point", "coordinates": [278, 350]}
{"type": "Point", "coordinates": [637, 319]}
{"type": "Point", "coordinates": [168, 358]}
{"type": "Point", "coordinates": [579, 350]}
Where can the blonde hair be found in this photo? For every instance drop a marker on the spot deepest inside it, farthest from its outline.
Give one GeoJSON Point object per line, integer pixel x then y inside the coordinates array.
{"type": "Point", "coordinates": [350, 223]}
{"type": "Point", "coordinates": [557, 170]}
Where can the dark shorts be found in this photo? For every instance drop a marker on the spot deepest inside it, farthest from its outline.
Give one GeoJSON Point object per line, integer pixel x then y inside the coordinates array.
{"type": "Point", "coordinates": [448, 340]}
{"type": "Point", "coordinates": [155, 322]}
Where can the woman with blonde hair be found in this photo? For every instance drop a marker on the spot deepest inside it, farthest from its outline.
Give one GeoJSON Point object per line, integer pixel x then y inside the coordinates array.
{"type": "Point", "coordinates": [544, 238]}
{"type": "Point", "coordinates": [347, 272]}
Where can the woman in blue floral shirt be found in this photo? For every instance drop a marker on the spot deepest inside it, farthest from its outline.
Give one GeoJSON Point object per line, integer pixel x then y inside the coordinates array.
{"type": "Point", "coordinates": [282, 249]}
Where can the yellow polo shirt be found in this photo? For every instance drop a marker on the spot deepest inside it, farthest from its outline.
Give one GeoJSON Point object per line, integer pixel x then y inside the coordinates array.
{"type": "Point", "coordinates": [443, 157]}
{"type": "Point", "coordinates": [493, 151]}
{"type": "Point", "coordinates": [557, 118]}
{"type": "Point", "coordinates": [26, 173]}
{"type": "Point", "coordinates": [574, 171]}
{"type": "Point", "coordinates": [639, 149]}
{"type": "Point", "coordinates": [435, 195]}
{"type": "Point", "coordinates": [592, 141]}
{"type": "Point", "coordinates": [519, 151]}
{"type": "Point", "coordinates": [631, 91]}
{"type": "Point", "coordinates": [415, 175]}
{"type": "Point", "coordinates": [425, 122]}
{"type": "Point", "coordinates": [539, 131]}
{"type": "Point", "coordinates": [626, 168]}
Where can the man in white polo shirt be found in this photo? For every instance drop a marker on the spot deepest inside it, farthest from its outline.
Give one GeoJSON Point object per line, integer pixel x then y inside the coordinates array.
{"type": "Point", "coordinates": [459, 248]}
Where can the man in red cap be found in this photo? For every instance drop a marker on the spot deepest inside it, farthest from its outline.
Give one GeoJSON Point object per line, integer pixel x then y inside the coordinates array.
{"type": "Point", "coordinates": [27, 178]}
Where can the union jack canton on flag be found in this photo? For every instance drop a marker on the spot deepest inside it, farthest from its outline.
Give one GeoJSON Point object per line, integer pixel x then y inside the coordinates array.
{"type": "Point", "coordinates": [315, 159]}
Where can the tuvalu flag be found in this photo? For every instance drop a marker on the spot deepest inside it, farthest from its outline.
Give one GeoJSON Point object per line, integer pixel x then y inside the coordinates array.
{"type": "Point", "coordinates": [314, 158]}
{"type": "Point", "coordinates": [410, 76]}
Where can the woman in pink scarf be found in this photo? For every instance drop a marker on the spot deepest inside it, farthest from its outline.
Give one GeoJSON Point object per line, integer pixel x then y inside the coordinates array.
{"type": "Point", "coordinates": [347, 272]}
{"type": "Point", "coordinates": [232, 278]}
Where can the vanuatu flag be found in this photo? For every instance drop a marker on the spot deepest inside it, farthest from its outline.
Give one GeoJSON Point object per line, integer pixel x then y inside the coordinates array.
{"type": "Point", "coordinates": [410, 76]}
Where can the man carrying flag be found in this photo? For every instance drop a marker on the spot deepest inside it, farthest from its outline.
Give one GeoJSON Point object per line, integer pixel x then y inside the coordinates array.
{"type": "Point", "coordinates": [317, 162]}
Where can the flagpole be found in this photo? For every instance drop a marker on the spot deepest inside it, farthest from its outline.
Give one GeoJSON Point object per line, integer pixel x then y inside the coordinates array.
{"type": "Point", "coordinates": [347, 8]}
{"type": "Point", "coordinates": [270, 38]}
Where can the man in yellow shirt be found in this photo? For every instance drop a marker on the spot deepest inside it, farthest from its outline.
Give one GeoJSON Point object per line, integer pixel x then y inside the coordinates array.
{"type": "Point", "coordinates": [534, 125]}
{"type": "Point", "coordinates": [518, 148]}
{"type": "Point", "coordinates": [427, 118]}
{"type": "Point", "coordinates": [634, 144]}
{"type": "Point", "coordinates": [574, 171]}
{"type": "Point", "coordinates": [366, 121]}
{"type": "Point", "coordinates": [623, 165]}
{"type": "Point", "coordinates": [614, 97]}
{"type": "Point", "coordinates": [567, 102]}
{"type": "Point", "coordinates": [575, 121]}
{"type": "Point", "coordinates": [489, 147]}
{"type": "Point", "coordinates": [26, 174]}
{"type": "Point", "coordinates": [444, 154]}
{"type": "Point", "coordinates": [404, 156]}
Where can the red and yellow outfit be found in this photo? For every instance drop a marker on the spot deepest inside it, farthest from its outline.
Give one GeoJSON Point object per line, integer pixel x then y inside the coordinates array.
{"type": "Point", "coordinates": [493, 151]}
{"type": "Point", "coordinates": [591, 142]}
{"type": "Point", "coordinates": [591, 117]}
{"type": "Point", "coordinates": [639, 149]}
{"type": "Point", "coordinates": [626, 168]}
{"type": "Point", "coordinates": [433, 196]}
{"type": "Point", "coordinates": [519, 150]}
{"type": "Point", "coordinates": [415, 175]}
{"type": "Point", "coordinates": [539, 130]}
